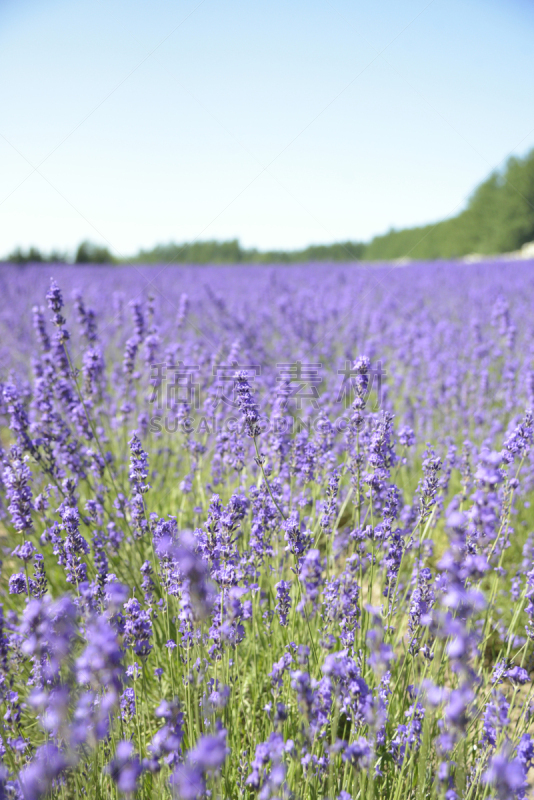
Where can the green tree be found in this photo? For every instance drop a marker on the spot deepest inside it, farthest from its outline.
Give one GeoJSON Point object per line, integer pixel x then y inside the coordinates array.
{"type": "Point", "coordinates": [88, 253]}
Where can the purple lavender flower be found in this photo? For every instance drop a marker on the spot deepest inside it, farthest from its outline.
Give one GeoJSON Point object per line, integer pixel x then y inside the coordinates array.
{"type": "Point", "coordinates": [381, 653]}
{"type": "Point", "coordinates": [130, 353]}
{"type": "Point", "coordinates": [19, 421]}
{"type": "Point", "coordinates": [525, 752]}
{"type": "Point", "coordinates": [192, 568]}
{"type": "Point", "coordinates": [428, 487]}
{"type": "Point", "coordinates": [137, 628]}
{"type": "Point", "coordinates": [39, 582]}
{"type": "Point", "coordinates": [456, 710]}
{"type": "Point", "coordinates": [279, 668]}
{"type": "Point", "coordinates": [358, 753]}
{"type": "Point", "coordinates": [505, 775]}
{"type": "Point", "coordinates": [127, 704]}
{"type": "Point", "coordinates": [55, 303]}
{"type": "Point", "coordinates": [86, 317]}
{"type": "Point", "coordinates": [247, 405]}
{"type": "Point", "coordinates": [210, 753]}
{"type": "Point", "coordinates": [362, 368]}
{"type": "Point", "coordinates": [74, 546]}
{"type": "Point", "coordinates": [25, 551]}
{"type": "Point", "coordinates": [38, 777]}
{"type": "Point", "coordinates": [167, 742]}
{"type": "Point", "coordinates": [48, 628]}
{"type": "Point", "coordinates": [351, 692]}
{"type": "Point", "coordinates": [297, 538]}
{"type": "Point", "coordinates": [406, 436]}
{"type": "Point", "coordinates": [40, 327]}
{"type": "Point", "coordinates": [125, 768]}
{"type": "Point", "coordinates": [100, 664]}
{"type": "Point", "coordinates": [138, 464]}
{"type": "Point", "coordinates": [138, 476]}
{"type": "Point", "coordinates": [182, 310]}
{"type": "Point", "coordinates": [16, 477]}
{"type": "Point", "coordinates": [188, 782]}
{"type": "Point", "coordinates": [420, 607]}
{"type": "Point", "coordinates": [486, 510]}
{"type": "Point", "coordinates": [18, 583]}
{"type": "Point", "coordinates": [283, 604]}
{"type": "Point", "coordinates": [206, 758]}
{"type": "Point", "coordinates": [520, 440]}
{"type": "Point", "coordinates": [138, 319]}
{"type": "Point", "coordinates": [270, 781]}
{"type": "Point", "coordinates": [495, 718]}
{"type": "Point", "coordinates": [217, 543]}
{"type": "Point", "coordinates": [93, 368]}
{"type": "Point", "coordinates": [408, 737]}
{"type": "Point", "coordinates": [341, 601]}
{"type": "Point", "coordinates": [329, 508]}
{"type": "Point", "coordinates": [517, 675]}
{"type": "Point", "coordinates": [4, 643]}
{"type": "Point", "coordinates": [381, 457]}
{"type": "Point", "coordinates": [311, 572]}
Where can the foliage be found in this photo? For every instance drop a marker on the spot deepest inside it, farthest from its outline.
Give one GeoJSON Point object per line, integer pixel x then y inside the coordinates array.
{"type": "Point", "coordinates": [499, 218]}
{"type": "Point", "coordinates": [34, 256]}
{"type": "Point", "coordinates": [231, 252]}
{"type": "Point", "coordinates": [88, 253]}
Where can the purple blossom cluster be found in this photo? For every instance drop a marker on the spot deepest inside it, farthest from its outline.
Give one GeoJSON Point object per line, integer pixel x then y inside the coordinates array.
{"type": "Point", "coordinates": [300, 586]}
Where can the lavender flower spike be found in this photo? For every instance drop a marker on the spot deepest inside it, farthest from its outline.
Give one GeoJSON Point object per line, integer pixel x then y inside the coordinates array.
{"type": "Point", "coordinates": [247, 405]}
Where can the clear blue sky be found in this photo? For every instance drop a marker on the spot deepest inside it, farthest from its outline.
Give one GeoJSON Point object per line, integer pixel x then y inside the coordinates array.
{"type": "Point", "coordinates": [281, 123]}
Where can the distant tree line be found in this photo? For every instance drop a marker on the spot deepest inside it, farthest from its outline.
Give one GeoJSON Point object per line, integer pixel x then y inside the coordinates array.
{"type": "Point", "coordinates": [231, 252]}
{"type": "Point", "coordinates": [210, 252]}
{"type": "Point", "coordinates": [87, 253]}
{"type": "Point", "coordinates": [499, 218]}
{"type": "Point", "coordinates": [34, 256]}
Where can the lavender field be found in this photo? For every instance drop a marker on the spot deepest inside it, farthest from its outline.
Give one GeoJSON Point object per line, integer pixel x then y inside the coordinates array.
{"type": "Point", "coordinates": [267, 532]}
